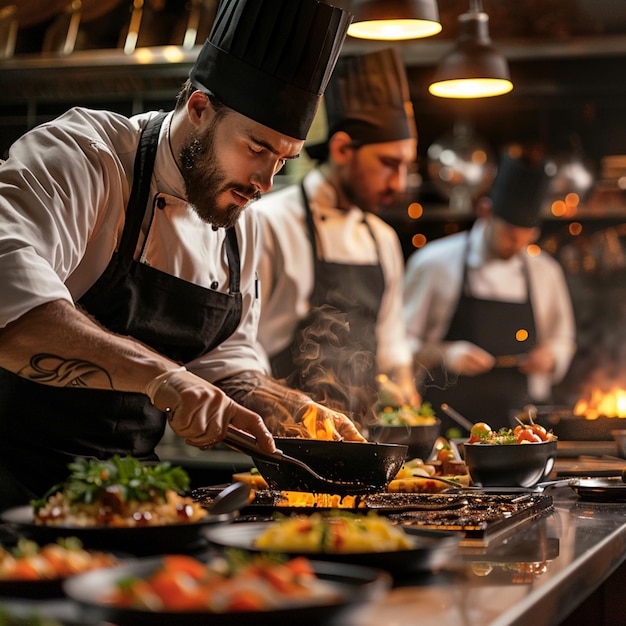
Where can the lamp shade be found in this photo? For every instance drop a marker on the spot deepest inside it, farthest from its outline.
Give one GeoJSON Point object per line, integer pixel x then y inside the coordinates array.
{"type": "Point", "coordinates": [394, 20]}
{"type": "Point", "coordinates": [474, 68]}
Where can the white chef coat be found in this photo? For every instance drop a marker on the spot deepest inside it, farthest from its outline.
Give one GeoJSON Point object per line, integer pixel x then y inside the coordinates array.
{"type": "Point", "coordinates": [432, 287]}
{"type": "Point", "coordinates": [63, 196]}
{"type": "Point", "coordinates": [286, 265]}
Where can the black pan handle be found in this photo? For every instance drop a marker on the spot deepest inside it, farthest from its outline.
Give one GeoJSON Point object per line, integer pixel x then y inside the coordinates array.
{"type": "Point", "coordinates": [245, 442]}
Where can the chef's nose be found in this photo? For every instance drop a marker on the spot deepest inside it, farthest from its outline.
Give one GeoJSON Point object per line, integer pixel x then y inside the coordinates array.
{"type": "Point", "coordinates": [263, 179]}
{"type": "Point", "coordinates": [398, 179]}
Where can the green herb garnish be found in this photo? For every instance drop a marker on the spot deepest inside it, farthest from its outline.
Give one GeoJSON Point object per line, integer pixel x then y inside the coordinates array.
{"type": "Point", "coordinates": [132, 479]}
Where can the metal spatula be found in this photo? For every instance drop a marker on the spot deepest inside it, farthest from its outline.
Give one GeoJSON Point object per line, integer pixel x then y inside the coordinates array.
{"type": "Point", "coordinates": [244, 442]}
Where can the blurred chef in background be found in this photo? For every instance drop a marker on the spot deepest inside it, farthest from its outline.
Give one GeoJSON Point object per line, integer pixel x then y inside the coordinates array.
{"type": "Point", "coordinates": [489, 317]}
{"type": "Point", "coordinates": [331, 270]}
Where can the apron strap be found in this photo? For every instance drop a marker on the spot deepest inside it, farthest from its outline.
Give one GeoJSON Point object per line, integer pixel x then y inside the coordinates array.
{"type": "Point", "coordinates": [142, 177]}
{"type": "Point", "coordinates": [308, 214]}
{"type": "Point", "coordinates": [232, 252]}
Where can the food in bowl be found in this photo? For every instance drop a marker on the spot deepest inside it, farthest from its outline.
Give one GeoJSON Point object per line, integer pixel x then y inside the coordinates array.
{"type": "Point", "coordinates": [405, 415]}
{"type": "Point", "coordinates": [415, 427]}
{"type": "Point", "coordinates": [519, 457]}
{"type": "Point", "coordinates": [337, 533]}
{"type": "Point", "coordinates": [119, 492]}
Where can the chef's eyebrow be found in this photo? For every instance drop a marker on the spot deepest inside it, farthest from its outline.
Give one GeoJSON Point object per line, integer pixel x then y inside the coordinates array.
{"type": "Point", "coordinates": [270, 148]}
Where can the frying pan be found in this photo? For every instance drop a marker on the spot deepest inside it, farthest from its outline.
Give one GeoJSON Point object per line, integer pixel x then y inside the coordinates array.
{"type": "Point", "coordinates": [340, 467]}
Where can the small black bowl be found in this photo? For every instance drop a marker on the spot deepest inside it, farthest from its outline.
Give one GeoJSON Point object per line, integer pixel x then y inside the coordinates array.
{"type": "Point", "coordinates": [509, 465]}
{"type": "Point", "coordinates": [419, 439]}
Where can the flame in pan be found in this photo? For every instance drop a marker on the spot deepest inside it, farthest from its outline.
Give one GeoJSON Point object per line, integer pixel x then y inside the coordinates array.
{"type": "Point", "coordinates": [317, 428]}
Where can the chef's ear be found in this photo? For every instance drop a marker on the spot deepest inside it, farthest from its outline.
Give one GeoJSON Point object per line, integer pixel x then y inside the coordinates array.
{"type": "Point", "coordinates": [482, 208]}
{"type": "Point", "coordinates": [197, 106]}
{"type": "Point", "coordinates": [340, 147]}
{"type": "Point", "coordinates": [536, 233]}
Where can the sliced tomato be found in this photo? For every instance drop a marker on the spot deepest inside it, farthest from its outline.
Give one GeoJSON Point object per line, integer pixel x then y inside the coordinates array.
{"type": "Point", "coordinates": [246, 601]}
{"type": "Point", "coordinates": [300, 566]}
{"type": "Point", "coordinates": [178, 591]}
{"type": "Point", "coordinates": [185, 564]}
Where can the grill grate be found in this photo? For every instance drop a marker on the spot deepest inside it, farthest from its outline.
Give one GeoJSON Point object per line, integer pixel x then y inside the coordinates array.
{"type": "Point", "coordinates": [480, 517]}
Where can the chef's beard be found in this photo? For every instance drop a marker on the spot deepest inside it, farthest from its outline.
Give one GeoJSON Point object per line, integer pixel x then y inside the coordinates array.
{"type": "Point", "coordinates": [205, 181]}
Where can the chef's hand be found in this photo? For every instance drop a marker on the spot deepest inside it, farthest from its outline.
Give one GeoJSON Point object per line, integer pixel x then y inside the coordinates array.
{"type": "Point", "coordinates": [466, 358]}
{"type": "Point", "coordinates": [539, 360]}
{"type": "Point", "coordinates": [199, 412]}
{"type": "Point", "coordinates": [342, 426]}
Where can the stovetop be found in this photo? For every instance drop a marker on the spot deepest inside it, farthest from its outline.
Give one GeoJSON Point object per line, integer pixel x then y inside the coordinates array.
{"type": "Point", "coordinates": [479, 517]}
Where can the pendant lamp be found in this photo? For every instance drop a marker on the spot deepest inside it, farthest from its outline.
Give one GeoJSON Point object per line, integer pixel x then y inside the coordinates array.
{"type": "Point", "coordinates": [394, 20]}
{"type": "Point", "coordinates": [474, 68]}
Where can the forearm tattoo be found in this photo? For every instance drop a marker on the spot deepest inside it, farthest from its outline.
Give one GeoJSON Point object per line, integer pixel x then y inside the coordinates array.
{"type": "Point", "coordinates": [56, 371]}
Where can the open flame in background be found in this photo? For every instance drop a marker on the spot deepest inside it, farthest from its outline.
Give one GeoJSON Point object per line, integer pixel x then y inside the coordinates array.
{"type": "Point", "coordinates": [600, 403]}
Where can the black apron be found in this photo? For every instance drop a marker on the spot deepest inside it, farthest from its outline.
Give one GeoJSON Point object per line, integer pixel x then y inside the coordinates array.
{"type": "Point", "coordinates": [492, 325]}
{"type": "Point", "coordinates": [43, 428]}
{"type": "Point", "coordinates": [332, 355]}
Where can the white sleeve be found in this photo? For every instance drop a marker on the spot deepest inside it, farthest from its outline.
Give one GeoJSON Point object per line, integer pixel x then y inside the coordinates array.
{"type": "Point", "coordinates": [56, 188]}
{"type": "Point", "coordinates": [285, 269]}
{"type": "Point", "coordinates": [554, 311]}
{"type": "Point", "coordinates": [392, 348]}
{"type": "Point", "coordinates": [432, 284]}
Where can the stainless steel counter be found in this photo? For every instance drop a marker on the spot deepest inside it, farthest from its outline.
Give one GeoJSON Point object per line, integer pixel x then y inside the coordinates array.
{"type": "Point", "coordinates": [574, 549]}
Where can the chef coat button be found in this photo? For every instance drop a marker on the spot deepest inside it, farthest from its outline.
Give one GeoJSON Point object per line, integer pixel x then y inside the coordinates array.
{"type": "Point", "coordinates": [214, 284]}
{"type": "Point", "coordinates": [160, 202]}
{"type": "Point", "coordinates": [215, 228]}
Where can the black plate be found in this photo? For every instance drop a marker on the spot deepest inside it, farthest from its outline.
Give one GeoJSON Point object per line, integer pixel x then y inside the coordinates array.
{"type": "Point", "coordinates": [51, 588]}
{"type": "Point", "coordinates": [144, 540]}
{"type": "Point", "coordinates": [430, 548]}
{"type": "Point", "coordinates": [355, 585]}
{"type": "Point", "coordinates": [610, 489]}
